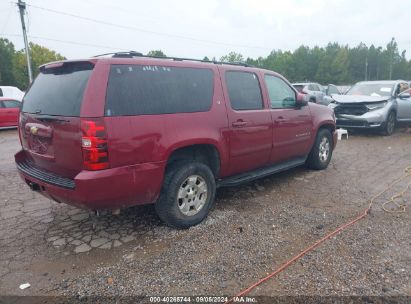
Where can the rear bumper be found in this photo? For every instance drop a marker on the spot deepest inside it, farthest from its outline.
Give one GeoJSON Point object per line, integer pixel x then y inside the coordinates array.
{"type": "Point", "coordinates": [105, 189]}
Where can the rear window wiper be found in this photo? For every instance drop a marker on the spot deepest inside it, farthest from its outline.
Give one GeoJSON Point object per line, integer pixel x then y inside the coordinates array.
{"type": "Point", "coordinates": [51, 118]}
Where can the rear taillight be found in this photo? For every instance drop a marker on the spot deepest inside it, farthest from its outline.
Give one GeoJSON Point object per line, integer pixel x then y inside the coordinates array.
{"type": "Point", "coordinates": [94, 144]}
{"type": "Point", "coordinates": [20, 127]}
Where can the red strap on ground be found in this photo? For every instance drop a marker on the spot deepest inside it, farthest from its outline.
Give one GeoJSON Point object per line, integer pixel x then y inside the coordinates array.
{"type": "Point", "coordinates": [320, 241]}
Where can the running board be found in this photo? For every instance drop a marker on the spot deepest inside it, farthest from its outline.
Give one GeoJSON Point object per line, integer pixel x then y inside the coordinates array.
{"type": "Point", "coordinates": [259, 173]}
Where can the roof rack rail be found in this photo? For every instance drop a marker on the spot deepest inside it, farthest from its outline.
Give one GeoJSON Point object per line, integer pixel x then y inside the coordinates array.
{"type": "Point", "coordinates": [131, 54]}
{"type": "Point", "coordinates": [127, 54]}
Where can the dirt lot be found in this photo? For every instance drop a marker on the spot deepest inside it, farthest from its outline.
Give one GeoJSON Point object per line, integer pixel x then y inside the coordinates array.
{"type": "Point", "coordinates": [250, 232]}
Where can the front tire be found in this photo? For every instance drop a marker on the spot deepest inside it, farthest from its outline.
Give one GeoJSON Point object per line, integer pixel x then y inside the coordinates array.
{"type": "Point", "coordinates": [187, 195]}
{"type": "Point", "coordinates": [321, 152]}
{"type": "Point", "coordinates": [389, 125]}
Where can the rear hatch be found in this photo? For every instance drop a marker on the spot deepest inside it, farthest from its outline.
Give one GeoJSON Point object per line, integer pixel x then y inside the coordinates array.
{"type": "Point", "coordinates": [50, 124]}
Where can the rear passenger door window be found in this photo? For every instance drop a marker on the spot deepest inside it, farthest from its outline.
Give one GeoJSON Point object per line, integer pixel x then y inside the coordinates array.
{"type": "Point", "coordinates": [280, 94]}
{"type": "Point", "coordinates": [244, 91]}
{"type": "Point", "coordinates": [144, 90]}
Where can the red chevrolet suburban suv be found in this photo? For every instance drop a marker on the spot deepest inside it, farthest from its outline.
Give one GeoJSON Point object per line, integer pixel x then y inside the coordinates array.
{"type": "Point", "coordinates": [113, 132]}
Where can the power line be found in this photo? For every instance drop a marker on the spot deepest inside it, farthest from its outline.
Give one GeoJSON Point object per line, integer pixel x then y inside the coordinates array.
{"type": "Point", "coordinates": [68, 42]}
{"type": "Point", "coordinates": [144, 30]}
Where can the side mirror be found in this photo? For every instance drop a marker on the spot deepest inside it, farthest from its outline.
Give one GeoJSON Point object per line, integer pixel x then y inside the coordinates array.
{"type": "Point", "coordinates": [301, 100]}
{"type": "Point", "coordinates": [404, 95]}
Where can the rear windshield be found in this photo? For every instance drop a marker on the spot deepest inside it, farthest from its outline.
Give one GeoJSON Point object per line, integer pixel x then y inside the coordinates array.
{"type": "Point", "coordinates": [58, 90]}
{"type": "Point", "coordinates": [138, 90]}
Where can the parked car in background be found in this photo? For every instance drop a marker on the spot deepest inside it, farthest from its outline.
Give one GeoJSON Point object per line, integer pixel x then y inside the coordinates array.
{"type": "Point", "coordinates": [373, 105]}
{"type": "Point", "coordinates": [313, 90]}
{"type": "Point", "coordinates": [329, 90]}
{"type": "Point", "coordinates": [9, 112]}
{"type": "Point", "coordinates": [107, 133]}
{"type": "Point", "coordinates": [11, 92]}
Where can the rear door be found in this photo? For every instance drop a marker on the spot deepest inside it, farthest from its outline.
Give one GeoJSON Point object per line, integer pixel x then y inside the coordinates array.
{"type": "Point", "coordinates": [12, 109]}
{"type": "Point", "coordinates": [50, 121]}
{"type": "Point", "coordinates": [250, 121]}
{"type": "Point", "coordinates": [292, 126]}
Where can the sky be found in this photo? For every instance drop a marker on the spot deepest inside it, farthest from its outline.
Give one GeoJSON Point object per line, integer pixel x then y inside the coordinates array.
{"type": "Point", "coordinates": [198, 28]}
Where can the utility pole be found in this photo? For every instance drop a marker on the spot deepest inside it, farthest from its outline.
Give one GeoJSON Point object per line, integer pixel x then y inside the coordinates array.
{"type": "Point", "coordinates": [22, 8]}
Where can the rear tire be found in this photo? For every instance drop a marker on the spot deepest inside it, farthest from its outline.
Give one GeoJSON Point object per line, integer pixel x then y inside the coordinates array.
{"type": "Point", "coordinates": [187, 195]}
{"type": "Point", "coordinates": [321, 152]}
{"type": "Point", "coordinates": [389, 125]}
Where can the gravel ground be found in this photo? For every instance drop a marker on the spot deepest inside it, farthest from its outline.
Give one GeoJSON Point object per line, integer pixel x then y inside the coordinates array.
{"type": "Point", "coordinates": [251, 231]}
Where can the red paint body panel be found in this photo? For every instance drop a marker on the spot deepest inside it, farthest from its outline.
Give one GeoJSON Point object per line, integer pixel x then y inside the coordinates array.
{"type": "Point", "coordinates": [57, 145]}
{"type": "Point", "coordinates": [106, 189]}
{"type": "Point", "coordinates": [9, 117]}
{"type": "Point", "coordinates": [140, 145]}
{"type": "Point", "coordinates": [249, 131]}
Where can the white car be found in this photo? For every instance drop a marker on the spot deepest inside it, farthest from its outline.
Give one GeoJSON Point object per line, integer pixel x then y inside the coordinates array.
{"type": "Point", "coordinates": [11, 92]}
{"type": "Point", "coordinates": [313, 90]}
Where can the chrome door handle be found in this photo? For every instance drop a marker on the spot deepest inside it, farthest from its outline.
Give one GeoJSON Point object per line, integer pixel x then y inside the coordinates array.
{"type": "Point", "coordinates": [239, 124]}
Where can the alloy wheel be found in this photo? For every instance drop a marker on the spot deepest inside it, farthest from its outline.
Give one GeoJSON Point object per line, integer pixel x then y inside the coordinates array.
{"type": "Point", "coordinates": [324, 149]}
{"type": "Point", "coordinates": [192, 195]}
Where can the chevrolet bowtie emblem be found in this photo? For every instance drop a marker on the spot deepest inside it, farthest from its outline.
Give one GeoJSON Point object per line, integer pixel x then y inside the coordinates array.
{"type": "Point", "coordinates": [34, 130]}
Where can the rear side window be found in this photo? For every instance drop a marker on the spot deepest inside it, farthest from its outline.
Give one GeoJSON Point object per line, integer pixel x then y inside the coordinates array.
{"type": "Point", "coordinates": [139, 90]}
{"type": "Point", "coordinates": [58, 90]}
{"type": "Point", "coordinates": [244, 91]}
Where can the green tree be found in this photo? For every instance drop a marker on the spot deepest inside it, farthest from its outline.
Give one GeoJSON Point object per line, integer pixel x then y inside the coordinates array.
{"type": "Point", "coordinates": [156, 53]}
{"type": "Point", "coordinates": [232, 57]}
{"type": "Point", "coordinates": [259, 62]}
{"type": "Point", "coordinates": [324, 73]}
{"type": "Point", "coordinates": [39, 55]}
{"type": "Point", "coordinates": [374, 62]}
{"type": "Point", "coordinates": [7, 53]}
{"type": "Point", "coordinates": [301, 64]}
{"type": "Point", "coordinates": [339, 67]}
{"type": "Point", "coordinates": [280, 62]}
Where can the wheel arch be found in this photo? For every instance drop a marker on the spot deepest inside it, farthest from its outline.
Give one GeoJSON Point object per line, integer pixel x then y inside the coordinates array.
{"type": "Point", "coordinates": [204, 152]}
{"type": "Point", "coordinates": [325, 125]}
